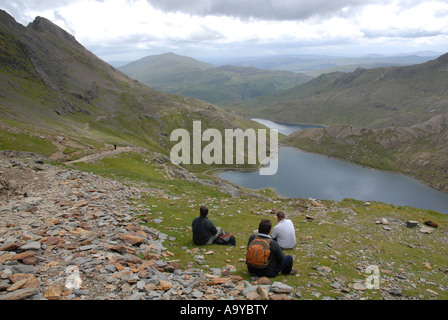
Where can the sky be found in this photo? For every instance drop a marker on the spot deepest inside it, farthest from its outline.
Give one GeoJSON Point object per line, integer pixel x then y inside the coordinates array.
{"type": "Point", "coordinates": [127, 30]}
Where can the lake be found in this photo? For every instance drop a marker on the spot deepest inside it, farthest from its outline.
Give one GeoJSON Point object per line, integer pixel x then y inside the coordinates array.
{"type": "Point", "coordinates": [285, 128]}
{"type": "Point", "coordinates": [306, 175]}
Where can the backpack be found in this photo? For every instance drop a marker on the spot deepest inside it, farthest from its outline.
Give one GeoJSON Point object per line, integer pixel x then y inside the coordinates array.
{"type": "Point", "coordinates": [225, 239]}
{"type": "Point", "coordinates": [258, 253]}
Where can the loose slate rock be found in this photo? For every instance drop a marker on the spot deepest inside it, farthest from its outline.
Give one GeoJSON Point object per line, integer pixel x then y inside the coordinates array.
{"type": "Point", "coordinates": [34, 245]}
{"type": "Point", "coordinates": [279, 287]}
{"type": "Point", "coordinates": [20, 294]}
{"type": "Point", "coordinates": [396, 292]}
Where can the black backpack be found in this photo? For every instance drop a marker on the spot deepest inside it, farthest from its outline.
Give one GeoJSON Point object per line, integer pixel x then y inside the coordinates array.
{"type": "Point", "coordinates": [225, 239]}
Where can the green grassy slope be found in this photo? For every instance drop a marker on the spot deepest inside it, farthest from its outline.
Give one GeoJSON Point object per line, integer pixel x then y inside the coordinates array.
{"type": "Point", "coordinates": [338, 245]}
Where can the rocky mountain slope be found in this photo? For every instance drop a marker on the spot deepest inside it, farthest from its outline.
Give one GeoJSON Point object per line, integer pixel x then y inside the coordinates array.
{"type": "Point", "coordinates": [176, 74]}
{"type": "Point", "coordinates": [395, 96]}
{"type": "Point", "coordinates": [50, 85]}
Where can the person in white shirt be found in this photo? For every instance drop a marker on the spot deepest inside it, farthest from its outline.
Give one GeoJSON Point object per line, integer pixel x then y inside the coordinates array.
{"type": "Point", "coordinates": [284, 232]}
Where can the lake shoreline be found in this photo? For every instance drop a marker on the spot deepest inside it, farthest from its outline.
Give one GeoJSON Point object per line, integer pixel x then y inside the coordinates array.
{"type": "Point", "coordinates": [428, 184]}
{"type": "Point", "coordinates": [371, 168]}
{"type": "Point", "coordinates": [413, 185]}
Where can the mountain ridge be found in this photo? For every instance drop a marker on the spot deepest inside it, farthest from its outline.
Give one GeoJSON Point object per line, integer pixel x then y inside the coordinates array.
{"type": "Point", "coordinates": [43, 25]}
{"type": "Point", "coordinates": [220, 85]}
{"type": "Point", "coordinates": [151, 68]}
{"type": "Point", "coordinates": [394, 96]}
{"type": "Point", "coordinates": [51, 85]}
{"type": "Point", "coordinates": [315, 65]}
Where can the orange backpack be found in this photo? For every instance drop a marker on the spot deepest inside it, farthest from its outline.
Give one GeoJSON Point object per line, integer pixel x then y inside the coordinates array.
{"type": "Point", "coordinates": [258, 253]}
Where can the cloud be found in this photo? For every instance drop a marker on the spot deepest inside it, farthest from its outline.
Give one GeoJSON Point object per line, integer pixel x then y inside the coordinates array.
{"type": "Point", "coordinates": [407, 20]}
{"type": "Point", "coordinates": [115, 29]}
{"type": "Point", "coordinates": [206, 34]}
{"type": "Point", "coordinates": [19, 9]}
{"type": "Point", "coordinates": [260, 9]}
{"type": "Point", "coordinates": [400, 33]}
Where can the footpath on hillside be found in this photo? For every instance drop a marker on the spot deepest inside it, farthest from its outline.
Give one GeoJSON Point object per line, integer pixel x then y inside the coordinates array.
{"type": "Point", "coordinates": [106, 154]}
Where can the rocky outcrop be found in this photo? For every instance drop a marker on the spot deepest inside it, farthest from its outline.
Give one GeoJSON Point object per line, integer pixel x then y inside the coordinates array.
{"type": "Point", "coordinates": [43, 25]}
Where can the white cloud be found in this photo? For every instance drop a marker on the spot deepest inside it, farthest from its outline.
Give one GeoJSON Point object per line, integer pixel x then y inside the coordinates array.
{"type": "Point", "coordinates": [130, 29]}
{"type": "Point", "coordinates": [259, 9]}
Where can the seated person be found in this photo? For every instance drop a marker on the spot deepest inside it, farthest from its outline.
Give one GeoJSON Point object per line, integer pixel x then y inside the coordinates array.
{"type": "Point", "coordinates": [204, 231]}
{"type": "Point", "coordinates": [264, 257]}
{"type": "Point", "coordinates": [284, 232]}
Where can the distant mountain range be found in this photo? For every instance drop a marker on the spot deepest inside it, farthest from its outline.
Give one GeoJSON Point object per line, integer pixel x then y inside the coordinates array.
{"type": "Point", "coordinates": [182, 75]}
{"type": "Point", "coordinates": [243, 80]}
{"type": "Point", "coordinates": [315, 65]}
{"type": "Point", "coordinates": [394, 96]}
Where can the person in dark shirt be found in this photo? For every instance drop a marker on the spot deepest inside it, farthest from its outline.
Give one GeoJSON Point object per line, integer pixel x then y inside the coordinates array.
{"type": "Point", "coordinates": [204, 231]}
{"type": "Point", "coordinates": [278, 262]}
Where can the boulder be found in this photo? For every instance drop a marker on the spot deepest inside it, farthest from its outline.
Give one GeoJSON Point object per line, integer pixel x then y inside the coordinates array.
{"type": "Point", "coordinates": [279, 287]}
{"type": "Point", "coordinates": [427, 230]}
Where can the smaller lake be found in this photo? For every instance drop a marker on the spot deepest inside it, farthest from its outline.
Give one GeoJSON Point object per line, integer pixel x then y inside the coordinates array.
{"type": "Point", "coordinates": [307, 175]}
{"type": "Point", "coordinates": [285, 128]}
